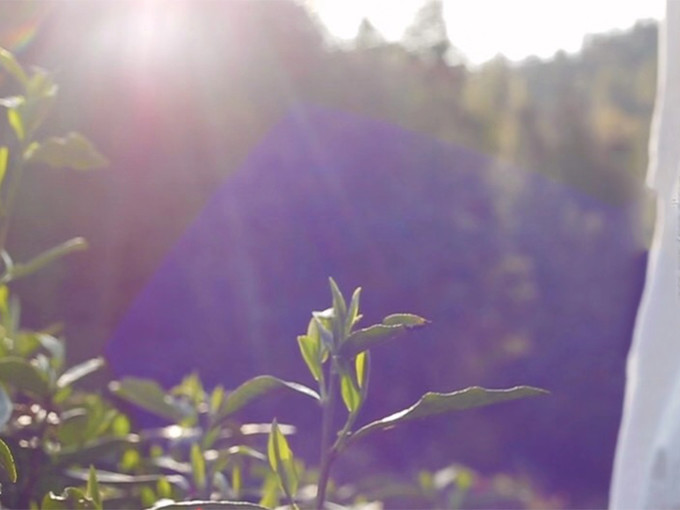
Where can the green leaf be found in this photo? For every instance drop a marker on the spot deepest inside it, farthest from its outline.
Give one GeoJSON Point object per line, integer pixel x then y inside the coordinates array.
{"type": "Point", "coordinates": [207, 505]}
{"type": "Point", "coordinates": [70, 499]}
{"type": "Point", "coordinates": [236, 480]}
{"type": "Point", "coordinates": [198, 466]}
{"type": "Point", "coordinates": [350, 394]}
{"type": "Point", "coordinates": [216, 399]}
{"type": "Point", "coordinates": [5, 408]}
{"type": "Point", "coordinates": [92, 489]}
{"type": "Point", "coordinates": [149, 395]}
{"type": "Point", "coordinates": [17, 123]}
{"type": "Point", "coordinates": [47, 257]}
{"type": "Point", "coordinates": [4, 159]}
{"type": "Point", "coordinates": [339, 306]}
{"type": "Point", "coordinates": [7, 462]}
{"type": "Point", "coordinates": [392, 327]}
{"type": "Point", "coordinates": [163, 488]}
{"type": "Point", "coordinates": [12, 66]}
{"type": "Point", "coordinates": [360, 365]}
{"type": "Point", "coordinates": [190, 387]}
{"type": "Point", "coordinates": [21, 374]}
{"type": "Point", "coordinates": [353, 312]}
{"type": "Point", "coordinates": [404, 319]}
{"type": "Point", "coordinates": [4, 299]}
{"type": "Point", "coordinates": [71, 427]}
{"type": "Point", "coordinates": [120, 425]}
{"type": "Point", "coordinates": [270, 491]}
{"type": "Point", "coordinates": [310, 348]}
{"type": "Point", "coordinates": [282, 461]}
{"type": "Point", "coordinates": [79, 371]}
{"type": "Point", "coordinates": [432, 404]}
{"type": "Point", "coordinates": [72, 151]}
{"type": "Point", "coordinates": [257, 387]}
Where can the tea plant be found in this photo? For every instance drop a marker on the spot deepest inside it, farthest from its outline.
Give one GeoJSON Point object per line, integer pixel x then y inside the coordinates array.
{"type": "Point", "coordinates": [55, 435]}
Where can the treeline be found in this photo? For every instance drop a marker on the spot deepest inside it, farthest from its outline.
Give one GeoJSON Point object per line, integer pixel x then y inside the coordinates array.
{"type": "Point", "coordinates": [582, 119]}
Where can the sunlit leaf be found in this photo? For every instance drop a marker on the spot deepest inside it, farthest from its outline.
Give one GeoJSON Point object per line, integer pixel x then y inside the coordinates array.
{"type": "Point", "coordinates": [7, 462]}
{"type": "Point", "coordinates": [16, 122]}
{"type": "Point", "coordinates": [190, 387]}
{"type": "Point", "coordinates": [207, 505]}
{"type": "Point", "coordinates": [257, 387]}
{"type": "Point", "coordinates": [198, 466]}
{"type": "Point", "coordinates": [24, 376]}
{"type": "Point", "coordinates": [92, 489]}
{"type": "Point", "coordinates": [281, 460]}
{"type": "Point", "coordinates": [339, 307]}
{"type": "Point", "coordinates": [72, 151]}
{"type": "Point", "coordinates": [404, 319]}
{"type": "Point", "coordinates": [216, 399]}
{"type": "Point", "coordinates": [310, 349]}
{"type": "Point", "coordinates": [149, 395]}
{"type": "Point", "coordinates": [12, 66]}
{"type": "Point", "coordinates": [79, 371]}
{"type": "Point", "coordinates": [130, 460]}
{"type": "Point", "coordinates": [350, 394]}
{"type": "Point", "coordinates": [324, 321]}
{"type": "Point", "coordinates": [164, 488]}
{"type": "Point", "coordinates": [270, 491]}
{"type": "Point", "coordinates": [392, 327]}
{"type": "Point", "coordinates": [4, 160]}
{"type": "Point", "coordinates": [360, 365]}
{"type": "Point", "coordinates": [120, 426]}
{"type": "Point", "coordinates": [236, 480]}
{"type": "Point", "coordinates": [353, 312]}
{"type": "Point", "coordinates": [432, 404]}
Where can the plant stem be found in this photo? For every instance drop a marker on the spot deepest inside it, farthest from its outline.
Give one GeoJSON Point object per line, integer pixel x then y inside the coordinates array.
{"type": "Point", "coordinates": [327, 450]}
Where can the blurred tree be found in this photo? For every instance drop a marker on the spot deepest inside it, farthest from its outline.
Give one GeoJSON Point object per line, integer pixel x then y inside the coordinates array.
{"type": "Point", "coordinates": [368, 36]}
{"type": "Point", "coordinates": [427, 35]}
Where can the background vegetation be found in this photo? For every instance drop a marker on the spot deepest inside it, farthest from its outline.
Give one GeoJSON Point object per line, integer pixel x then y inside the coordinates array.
{"type": "Point", "coordinates": [176, 125]}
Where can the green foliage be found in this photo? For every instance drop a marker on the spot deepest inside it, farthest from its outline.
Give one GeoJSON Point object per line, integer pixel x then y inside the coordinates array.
{"type": "Point", "coordinates": [432, 404]}
{"type": "Point", "coordinates": [206, 458]}
{"type": "Point", "coordinates": [150, 396]}
{"type": "Point", "coordinates": [72, 151]}
{"type": "Point", "coordinates": [282, 461]}
{"type": "Point", "coordinates": [7, 462]}
{"type": "Point", "coordinates": [71, 499]}
{"type": "Point", "coordinates": [256, 387]}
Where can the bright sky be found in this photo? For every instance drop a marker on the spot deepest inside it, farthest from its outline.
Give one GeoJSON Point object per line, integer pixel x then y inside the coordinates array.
{"type": "Point", "coordinates": [481, 29]}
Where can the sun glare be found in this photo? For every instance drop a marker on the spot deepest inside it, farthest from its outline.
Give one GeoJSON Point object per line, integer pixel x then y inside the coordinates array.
{"type": "Point", "coordinates": [152, 31]}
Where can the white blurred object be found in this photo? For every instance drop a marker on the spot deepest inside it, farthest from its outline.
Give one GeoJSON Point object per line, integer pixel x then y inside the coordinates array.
{"type": "Point", "coordinates": [647, 464]}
